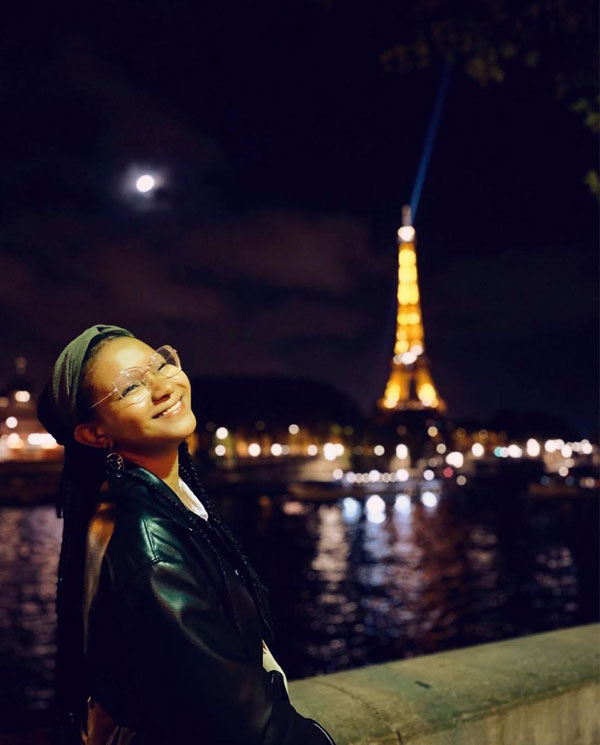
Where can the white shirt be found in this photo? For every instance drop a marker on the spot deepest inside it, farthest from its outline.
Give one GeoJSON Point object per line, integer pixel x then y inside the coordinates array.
{"type": "Point", "coordinates": [191, 501]}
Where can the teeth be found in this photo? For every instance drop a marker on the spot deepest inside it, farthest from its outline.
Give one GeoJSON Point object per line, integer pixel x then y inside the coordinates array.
{"type": "Point", "coordinates": [171, 408]}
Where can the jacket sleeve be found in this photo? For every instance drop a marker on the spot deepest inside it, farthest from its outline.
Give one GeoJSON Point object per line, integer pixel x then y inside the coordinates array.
{"type": "Point", "coordinates": [194, 674]}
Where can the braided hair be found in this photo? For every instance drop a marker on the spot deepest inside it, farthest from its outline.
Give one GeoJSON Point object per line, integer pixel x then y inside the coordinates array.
{"type": "Point", "coordinates": [254, 584]}
{"type": "Point", "coordinates": [82, 478]}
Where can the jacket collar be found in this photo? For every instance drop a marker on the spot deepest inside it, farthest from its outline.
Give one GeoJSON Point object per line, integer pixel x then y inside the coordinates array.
{"type": "Point", "coordinates": [157, 494]}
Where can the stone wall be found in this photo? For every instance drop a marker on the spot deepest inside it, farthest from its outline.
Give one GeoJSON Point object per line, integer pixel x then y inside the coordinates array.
{"type": "Point", "coordinates": [534, 690]}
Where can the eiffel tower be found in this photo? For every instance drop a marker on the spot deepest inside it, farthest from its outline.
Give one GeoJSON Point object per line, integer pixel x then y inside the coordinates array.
{"type": "Point", "coordinates": [410, 385]}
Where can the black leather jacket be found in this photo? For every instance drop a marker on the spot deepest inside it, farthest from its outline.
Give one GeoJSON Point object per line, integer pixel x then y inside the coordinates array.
{"type": "Point", "coordinates": [163, 651]}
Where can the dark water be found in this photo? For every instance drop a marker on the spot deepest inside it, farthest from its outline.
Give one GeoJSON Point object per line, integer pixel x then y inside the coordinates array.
{"type": "Point", "coordinates": [350, 586]}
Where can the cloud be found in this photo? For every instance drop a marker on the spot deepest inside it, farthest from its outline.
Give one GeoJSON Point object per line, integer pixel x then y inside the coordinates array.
{"type": "Point", "coordinates": [140, 284]}
{"type": "Point", "coordinates": [298, 317]}
{"type": "Point", "coordinates": [512, 295]}
{"type": "Point", "coordinates": [284, 249]}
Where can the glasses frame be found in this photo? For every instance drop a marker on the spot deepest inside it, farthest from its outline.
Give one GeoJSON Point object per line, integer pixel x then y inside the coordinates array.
{"type": "Point", "coordinates": [145, 370]}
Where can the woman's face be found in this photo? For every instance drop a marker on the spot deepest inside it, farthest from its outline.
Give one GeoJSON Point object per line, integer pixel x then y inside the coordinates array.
{"type": "Point", "coordinates": [145, 426]}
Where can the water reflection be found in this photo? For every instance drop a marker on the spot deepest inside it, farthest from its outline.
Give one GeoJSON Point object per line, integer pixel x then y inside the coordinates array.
{"type": "Point", "coordinates": [29, 546]}
{"type": "Point", "coordinates": [408, 575]}
{"type": "Point", "coordinates": [353, 582]}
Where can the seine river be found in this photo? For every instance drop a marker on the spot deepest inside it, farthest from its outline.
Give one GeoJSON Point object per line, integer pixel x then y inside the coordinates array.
{"type": "Point", "coordinates": [353, 582]}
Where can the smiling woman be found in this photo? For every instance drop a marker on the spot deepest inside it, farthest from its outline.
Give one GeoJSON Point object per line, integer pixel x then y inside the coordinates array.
{"type": "Point", "coordinates": [162, 620]}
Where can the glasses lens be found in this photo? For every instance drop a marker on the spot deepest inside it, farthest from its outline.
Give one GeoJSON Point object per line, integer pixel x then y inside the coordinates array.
{"type": "Point", "coordinates": [130, 385]}
{"type": "Point", "coordinates": [165, 361]}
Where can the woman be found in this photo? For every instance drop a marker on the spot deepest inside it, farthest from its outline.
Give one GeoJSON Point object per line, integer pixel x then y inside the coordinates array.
{"type": "Point", "coordinates": [163, 624]}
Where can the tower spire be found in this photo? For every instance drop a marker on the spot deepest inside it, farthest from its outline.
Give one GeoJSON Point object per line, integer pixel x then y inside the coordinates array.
{"type": "Point", "coordinates": [410, 385]}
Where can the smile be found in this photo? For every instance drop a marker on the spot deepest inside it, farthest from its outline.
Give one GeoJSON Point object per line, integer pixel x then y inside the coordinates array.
{"type": "Point", "coordinates": [172, 410]}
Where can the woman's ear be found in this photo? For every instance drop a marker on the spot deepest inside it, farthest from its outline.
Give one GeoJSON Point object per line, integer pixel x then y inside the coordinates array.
{"type": "Point", "coordinates": [91, 434]}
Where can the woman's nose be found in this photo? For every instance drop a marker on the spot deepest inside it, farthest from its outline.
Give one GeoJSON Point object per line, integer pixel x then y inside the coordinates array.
{"type": "Point", "coordinates": [159, 386]}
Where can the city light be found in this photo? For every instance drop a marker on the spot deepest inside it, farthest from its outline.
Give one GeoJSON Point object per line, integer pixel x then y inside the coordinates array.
{"type": "Point", "coordinates": [254, 449]}
{"type": "Point", "coordinates": [550, 446]}
{"type": "Point", "coordinates": [402, 504]}
{"type": "Point", "coordinates": [401, 452]}
{"type": "Point", "coordinates": [11, 422]}
{"type": "Point", "coordinates": [477, 449]}
{"type": "Point", "coordinates": [312, 449]}
{"type": "Point", "coordinates": [375, 507]}
{"type": "Point", "coordinates": [222, 433]}
{"type": "Point", "coordinates": [455, 459]}
{"type": "Point", "coordinates": [566, 451]}
{"type": "Point", "coordinates": [276, 449]}
{"type": "Point", "coordinates": [432, 431]}
{"type": "Point", "coordinates": [429, 499]}
{"type": "Point", "coordinates": [375, 503]}
{"type": "Point", "coordinates": [586, 447]}
{"type": "Point", "coordinates": [428, 475]}
{"type": "Point", "coordinates": [563, 471]}
{"type": "Point", "coordinates": [461, 480]}
{"type": "Point", "coordinates": [338, 474]}
{"type": "Point", "coordinates": [374, 475]}
{"type": "Point", "coordinates": [330, 451]}
{"type": "Point", "coordinates": [13, 441]}
{"type": "Point", "coordinates": [379, 450]}
{"type": "Point", "coordinates": [440, 448]}
{"type": "Point", "coordinates": [41, 439]}
{"type": "Point", "coordinates": [514, 451]}
{"type": "Point", "coordinates": [351, 509]}
{"type": "Point", "coordinates": [220, 450]}
{"type": "Point", "coordinates": [22, 396]}
{"type": "Point", "coordinates": [293, 429]}
{"type": "Point", "coordinates": [533, 448]}
{"type": "Point", "coordinates": [402, 474]}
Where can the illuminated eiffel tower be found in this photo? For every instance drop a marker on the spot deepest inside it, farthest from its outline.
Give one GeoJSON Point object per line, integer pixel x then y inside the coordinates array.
{"type": "Point", "coordinates": [410, 385]}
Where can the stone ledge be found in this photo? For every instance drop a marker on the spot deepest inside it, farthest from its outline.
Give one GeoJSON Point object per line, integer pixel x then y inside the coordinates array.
{"type": "Point", "coordinates": [534, 690]}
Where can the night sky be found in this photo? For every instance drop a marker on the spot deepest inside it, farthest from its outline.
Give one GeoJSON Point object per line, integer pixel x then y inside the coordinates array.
{"type": "Point", "coordinates": [286, 153]}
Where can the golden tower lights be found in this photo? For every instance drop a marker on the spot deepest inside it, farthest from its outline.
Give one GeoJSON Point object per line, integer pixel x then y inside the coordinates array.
{"type": "Point", "coordinates": [410, 385]}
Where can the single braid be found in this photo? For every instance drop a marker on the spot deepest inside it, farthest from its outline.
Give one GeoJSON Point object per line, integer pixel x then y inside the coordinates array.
{"type": "Point", "coordinates": [82, 477]}
{"type": "Point", "coordinates": [254, 584]}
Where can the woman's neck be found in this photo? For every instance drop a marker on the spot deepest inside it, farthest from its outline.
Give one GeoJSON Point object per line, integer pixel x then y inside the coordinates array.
{"type": "Point", "coordinates": [166, 466]}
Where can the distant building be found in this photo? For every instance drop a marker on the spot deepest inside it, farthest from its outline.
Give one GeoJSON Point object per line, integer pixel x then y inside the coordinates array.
{"type": "Point", "coordinates": [22, 437]}
{"type": "Point", "coordinates": [254, 421]}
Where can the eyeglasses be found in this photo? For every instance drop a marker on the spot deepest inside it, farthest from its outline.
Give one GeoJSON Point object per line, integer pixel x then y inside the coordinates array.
{"type": "Point", "coordinates": [132, 383]}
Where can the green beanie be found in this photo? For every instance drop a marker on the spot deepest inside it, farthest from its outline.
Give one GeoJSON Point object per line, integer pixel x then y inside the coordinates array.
{"type": "Point", "coordinates": [57, 405]}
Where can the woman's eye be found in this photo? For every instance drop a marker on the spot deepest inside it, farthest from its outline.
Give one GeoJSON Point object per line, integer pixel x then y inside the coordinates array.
{"type": "Point", "coordinates": [130, 388]}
